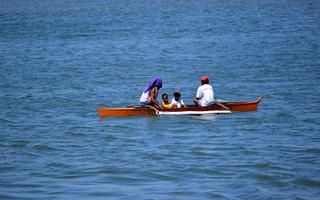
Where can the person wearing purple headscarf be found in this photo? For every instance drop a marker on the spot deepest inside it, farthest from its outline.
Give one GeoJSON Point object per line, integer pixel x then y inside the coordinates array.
{"type": "Point", "coordinates": [150, 92]}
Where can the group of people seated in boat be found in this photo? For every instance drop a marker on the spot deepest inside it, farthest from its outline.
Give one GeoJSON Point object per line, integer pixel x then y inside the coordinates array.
{"type": "Point", "coordinates": [204, 95]}
{"type": "Point", "coordinates": [176, 102]}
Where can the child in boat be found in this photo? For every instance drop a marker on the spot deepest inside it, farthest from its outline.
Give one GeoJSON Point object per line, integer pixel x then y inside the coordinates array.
{"type": "Point", "coordinates": [177, 102]}
{"type": "Point", "coordinates": [165, 101]}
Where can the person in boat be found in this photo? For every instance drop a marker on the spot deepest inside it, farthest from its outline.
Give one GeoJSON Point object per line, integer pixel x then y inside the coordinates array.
{"type": "Point", "coordinates": [150, 93]}
{"type": "Point", "coordinates": [177, 102]}
{"type": "Point", "coordinates": [165, 101]}
{"type": "Point", "coordinates": [205, 94]}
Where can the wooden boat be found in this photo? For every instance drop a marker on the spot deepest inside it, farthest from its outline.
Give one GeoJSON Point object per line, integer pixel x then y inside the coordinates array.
{"type": "Point", "coordinates": [215, 108]}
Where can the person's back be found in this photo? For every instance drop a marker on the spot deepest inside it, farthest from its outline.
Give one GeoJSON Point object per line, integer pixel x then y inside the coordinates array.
{"type": "Point", "coordinates": [205, 94]}
{"type": "Point", "coordinates": [145, 97]}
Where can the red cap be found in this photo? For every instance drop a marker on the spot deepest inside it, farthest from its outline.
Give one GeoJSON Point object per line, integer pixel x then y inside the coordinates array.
{"type": "Point", "coordinates": [204, 78]}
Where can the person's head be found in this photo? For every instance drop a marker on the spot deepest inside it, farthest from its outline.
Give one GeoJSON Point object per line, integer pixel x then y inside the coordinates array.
{"type": "Point", "coordinates": [158, 82]}
{"type": "Point", "coordinates": [177, 95]}
{"type": "Point", "coordinates": [154, 82]}
{"type": "Point", "coordinates": [165, 98]}
{"type": "Point", "coordinates": [204, 80]}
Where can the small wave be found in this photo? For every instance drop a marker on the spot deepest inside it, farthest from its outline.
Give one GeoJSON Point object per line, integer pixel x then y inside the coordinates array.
{"type": "Point", "coordinates": [125, 179]}
{"type": "Point", "coordinates": [44, 147]}
{"type": "Point", "coordinates": [261, 177]}
{"type": "Point", "coordinates": [182, 193]}
{"type": "Point", "coordinates": [107, 171]}
{"type": "Point", "coordinates": [75, 175]}
{"type": "Point", "coordinates": [268, 166]}
{"type": "Point", "coordinates": [206, 171]}
{"type": "Point", "coordinates": [312, 150]}
{"type": "Point", "coordinates": [151, 156]}
{"type": "Point", "coordinates": [310, 121]}
{"type": "Point", "coordinates": [202, 153]}
{"type": "Point", "coordinates": [74, 133]}
{"type": "Point", "coordinates": [3, 120]}
{"type": "Point", "coordinates": [110, 138]}
{"type": "Point", "coordinates": [307, 182]}
{"type": "Point", "coordinates": [283, 114]}
{"type": "Point", "coordinates": [7, 196]}
{"type": "Point", "coordinates": [179, 130]}
{"type": "Point", "coordinates": [119, 127]}
{"type": "Point", "coordinates": [262, 165]}
{"type": "Point", "coordinates": [57, 165]}
{"type": "Point", "coordinates": [157, 176]}
{"type": "Point", "coordinates": [19, 144]}
{"type": "Point", "coordinates": [212, 195]}
{"type": "Point", "coordinates": [26, 96]}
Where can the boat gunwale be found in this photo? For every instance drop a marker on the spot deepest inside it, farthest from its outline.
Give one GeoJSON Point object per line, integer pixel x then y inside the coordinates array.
{"type": "Point", "coordinates": [243, 102]}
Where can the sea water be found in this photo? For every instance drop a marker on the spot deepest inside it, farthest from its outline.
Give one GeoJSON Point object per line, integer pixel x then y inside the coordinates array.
{"type": "Point", "coordinates": [60, 60]}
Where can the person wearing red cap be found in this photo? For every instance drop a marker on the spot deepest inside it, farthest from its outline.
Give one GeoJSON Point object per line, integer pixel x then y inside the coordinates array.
{"type": "Point", "coordinates": [205, 94]}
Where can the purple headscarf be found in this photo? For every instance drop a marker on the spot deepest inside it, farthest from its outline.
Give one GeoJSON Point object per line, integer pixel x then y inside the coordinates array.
{"type": "Point", "coordinates": [155, 81]}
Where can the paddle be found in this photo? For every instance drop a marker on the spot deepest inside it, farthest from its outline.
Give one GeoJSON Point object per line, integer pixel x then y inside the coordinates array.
{"type": "Point", "coordinates": [223, 106]}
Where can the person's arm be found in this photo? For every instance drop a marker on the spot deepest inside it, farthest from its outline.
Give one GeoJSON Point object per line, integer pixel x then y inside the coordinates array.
{"type": "Point", "coordinates": [153, 97]}
{"type": "Point", "coordinates": [173, 103]}
{"type": "Point", "coordinates": [198, 96]}
{"type": "Point", "coordinates": [182, 103]}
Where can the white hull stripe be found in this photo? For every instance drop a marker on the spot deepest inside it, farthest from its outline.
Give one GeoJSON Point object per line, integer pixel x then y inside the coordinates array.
{"type": "Point", "coordinates": [194, 112]}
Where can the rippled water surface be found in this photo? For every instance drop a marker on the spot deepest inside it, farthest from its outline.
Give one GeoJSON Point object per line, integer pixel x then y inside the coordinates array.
{"type": "Point", "coordinates": [60, 59]}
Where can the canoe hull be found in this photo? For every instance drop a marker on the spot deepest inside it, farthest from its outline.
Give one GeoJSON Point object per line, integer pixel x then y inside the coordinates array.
{"type": "Point", "coordinates": [218, 108]}
{"type": "Point", "coordinates": [243, 106]}
{"type": "Point", "coordinates": [122, 112]}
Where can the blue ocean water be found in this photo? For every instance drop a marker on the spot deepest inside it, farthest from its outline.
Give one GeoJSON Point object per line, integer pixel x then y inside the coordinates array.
{"type": "Point", "coordinates": [59, 60]}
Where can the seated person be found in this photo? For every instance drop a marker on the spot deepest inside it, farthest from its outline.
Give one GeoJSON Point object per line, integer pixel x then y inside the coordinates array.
{"type": "Point", "coordinates": [165, 101]}
{"type": "Point", "coordinates": [205, 94]}
{"type": "Point", "coordinates": [150, 93]}
{"type": "Point", "coordinates": [177, 102]}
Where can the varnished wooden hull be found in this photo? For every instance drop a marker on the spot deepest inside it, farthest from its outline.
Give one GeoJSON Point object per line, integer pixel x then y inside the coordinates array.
{"type": "Point", "coordinates": [122, 112]}
{"type": "Point", "coordinates": [243, 106]}
{"type": "Point", "coordinates": [219, 108]}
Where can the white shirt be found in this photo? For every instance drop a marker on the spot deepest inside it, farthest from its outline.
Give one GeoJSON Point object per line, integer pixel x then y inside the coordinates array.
{"type": "Point", "coordinates": [205, 93]}
{"type": "Point", "coordinates": [178, 103]}
{"type": "Point", "coordinates": [145, 97]}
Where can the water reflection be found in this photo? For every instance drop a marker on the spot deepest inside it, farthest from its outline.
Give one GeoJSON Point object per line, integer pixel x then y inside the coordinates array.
{"type": "Point", "coordinates": [206, 117]}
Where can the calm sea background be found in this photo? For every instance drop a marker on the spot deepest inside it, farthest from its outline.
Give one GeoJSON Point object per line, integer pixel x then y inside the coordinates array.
{"type": "Point", "coordinates": [60, 59]}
